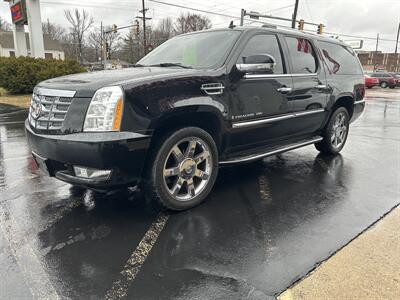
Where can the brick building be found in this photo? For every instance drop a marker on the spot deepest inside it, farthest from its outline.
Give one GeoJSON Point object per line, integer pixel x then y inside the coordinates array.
{"type": "Point", "coordinates": [380, 61]}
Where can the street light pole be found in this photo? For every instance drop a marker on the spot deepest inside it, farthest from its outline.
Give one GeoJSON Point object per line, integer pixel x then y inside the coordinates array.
{"type": "Point", "coordinates": [296, 6]}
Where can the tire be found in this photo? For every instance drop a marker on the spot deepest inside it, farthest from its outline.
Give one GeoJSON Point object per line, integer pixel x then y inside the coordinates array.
{"type": "Point", "coordinates": [392, 87]}
{"type": "Point", "coordinates": [369, 87]}
{"type": "Point", "coordinates": [383, 84]}
{"type": "Point", "coordinates": [335, 135]}
{"type": "Point", "coordinates": [179, 178]}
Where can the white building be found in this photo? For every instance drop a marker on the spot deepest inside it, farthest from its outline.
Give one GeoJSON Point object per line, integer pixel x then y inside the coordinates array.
{"type": "Point", "coordinates": [52, 48]}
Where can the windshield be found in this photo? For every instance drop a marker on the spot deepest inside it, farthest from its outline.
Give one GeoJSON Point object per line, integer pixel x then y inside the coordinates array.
{"type": "Point", "coordinates": [200, 50]}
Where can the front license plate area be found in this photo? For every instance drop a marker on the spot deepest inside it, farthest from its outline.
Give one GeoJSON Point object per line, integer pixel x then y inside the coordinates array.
{"type": "Point", "coordinates": [42, 164]}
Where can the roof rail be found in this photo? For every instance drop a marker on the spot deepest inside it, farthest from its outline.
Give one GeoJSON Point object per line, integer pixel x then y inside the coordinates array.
{"type": "Point", "coordinates": [269, 26]}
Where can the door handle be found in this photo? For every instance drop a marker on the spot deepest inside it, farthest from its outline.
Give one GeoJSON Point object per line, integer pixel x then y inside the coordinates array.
{"type": "Point", "coordinates": [284, 90]}
{"type": "Point", "coordinates": [321, 86]}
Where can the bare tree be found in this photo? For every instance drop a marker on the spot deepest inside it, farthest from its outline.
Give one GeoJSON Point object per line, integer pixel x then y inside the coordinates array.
{"type": "Point", "coordinates": [131, 48]}
{"type": "Point", "coordinates": [54, 31]}
{"type": "Point", "coordinates": [191, 22]}
{"type": "Point", "coordinates": [112, 39]}
{"type": "Point", "coordinates": [166, 28]}
{"type": "Point", "coordinates": [80, 23]}
{"type": "Point", "coordinates": [4, 25]}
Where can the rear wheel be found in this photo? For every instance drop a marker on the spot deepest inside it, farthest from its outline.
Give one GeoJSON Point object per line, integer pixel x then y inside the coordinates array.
{"type": "Point", "coordinates": [335, 133]}
{"type": "Point", "coordinates": [383, 84]}
{"type": "Point", "coordinates": [184, 169]}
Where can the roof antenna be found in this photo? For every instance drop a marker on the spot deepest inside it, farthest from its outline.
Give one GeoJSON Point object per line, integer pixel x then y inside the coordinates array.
{"type": "Point", "coordinates": [231, 25]}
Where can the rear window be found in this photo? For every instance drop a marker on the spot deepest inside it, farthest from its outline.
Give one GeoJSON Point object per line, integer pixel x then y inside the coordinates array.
{"type": "Point", "coordinates": [302, 55]}
{"type": "Point", "coordinates": [340, 59]}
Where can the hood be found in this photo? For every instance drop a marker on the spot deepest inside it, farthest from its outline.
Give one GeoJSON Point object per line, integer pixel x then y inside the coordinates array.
{"type": "Point", "coordinates": [86, 84]}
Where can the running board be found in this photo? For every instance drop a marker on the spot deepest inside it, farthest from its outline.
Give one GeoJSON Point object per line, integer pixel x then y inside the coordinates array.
{"type": "Point", "coordinates": [271, 152]}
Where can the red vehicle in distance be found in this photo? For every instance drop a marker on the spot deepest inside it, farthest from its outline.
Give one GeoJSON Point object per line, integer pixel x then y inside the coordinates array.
{"type": "Point", "coordinates": [370, 82]}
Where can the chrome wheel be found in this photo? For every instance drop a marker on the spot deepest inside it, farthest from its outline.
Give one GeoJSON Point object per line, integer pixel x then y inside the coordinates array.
{"type": "Point", "coordinates": [187, 168]}
{"type": "Point", "coordinates": [339, 130]}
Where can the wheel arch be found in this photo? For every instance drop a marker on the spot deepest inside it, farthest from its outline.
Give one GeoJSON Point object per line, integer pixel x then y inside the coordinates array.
{"type": "Point", "coordinates": [344, 100]}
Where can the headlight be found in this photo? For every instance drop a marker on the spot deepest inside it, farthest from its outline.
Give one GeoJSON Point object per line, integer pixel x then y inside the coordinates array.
{"type": "Point", "coordinates": [105, 110]}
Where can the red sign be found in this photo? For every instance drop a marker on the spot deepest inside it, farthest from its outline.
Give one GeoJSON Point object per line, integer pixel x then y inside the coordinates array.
{"type": "Point", "coordinates": [18, 13]}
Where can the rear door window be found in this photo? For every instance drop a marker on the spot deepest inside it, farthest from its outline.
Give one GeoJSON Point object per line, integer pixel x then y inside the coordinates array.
{"type": "Point", "coordinates": [302, 55]}
{"type": "Point", "coordinates": [263, 44]}
{"type": "Point", "coordinates": [341, 60]}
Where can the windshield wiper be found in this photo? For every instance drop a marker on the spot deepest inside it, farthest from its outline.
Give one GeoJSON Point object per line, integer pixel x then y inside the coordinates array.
{"type": "Point", "coordinates": [169, 64]}
{"type": "Point", "coordinates": [139, 65]}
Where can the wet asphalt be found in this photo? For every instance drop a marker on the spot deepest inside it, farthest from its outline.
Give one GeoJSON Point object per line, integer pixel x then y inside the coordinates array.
{"type": "Point", "coordinates": [264, 226]}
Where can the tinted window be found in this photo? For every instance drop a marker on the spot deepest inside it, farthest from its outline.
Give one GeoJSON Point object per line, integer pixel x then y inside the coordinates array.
{"type": "Point", "coordinates": [341, 60]}
{"type": "Point", "coordinates": [302, 55]}
{"type": "Point", "coordinates": [263, 44]}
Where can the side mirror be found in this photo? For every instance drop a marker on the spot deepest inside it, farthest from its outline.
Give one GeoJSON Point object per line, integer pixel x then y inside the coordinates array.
{"type": "Point", "coordinates": [260, 63]}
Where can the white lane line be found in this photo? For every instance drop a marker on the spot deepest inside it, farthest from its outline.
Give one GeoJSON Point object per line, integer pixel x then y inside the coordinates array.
{"type": "Point", "coordinates": [265, 193]}
{"type": "Point", "coordinates": [31, 268]}
{"type": "Point", "coordinates": [132, 267]}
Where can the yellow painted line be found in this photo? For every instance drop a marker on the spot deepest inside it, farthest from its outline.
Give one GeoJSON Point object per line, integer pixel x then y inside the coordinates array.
{"type": "Point", "coordinates": [265, 193]}
{"type": "Point", "coordinates": [76, 202]}
{"type": "Point", "coordinates": [286, 295]}
{"type": "Point", "coordinates": [31, 268]}
{"type": "Point", "coordinates": [16, 158]}
{"type": "Point", "coordinates": [132, 267]}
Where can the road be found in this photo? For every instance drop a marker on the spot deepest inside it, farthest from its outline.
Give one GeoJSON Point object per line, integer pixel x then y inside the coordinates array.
{"type": "Point", "coordinates": [264, 226]}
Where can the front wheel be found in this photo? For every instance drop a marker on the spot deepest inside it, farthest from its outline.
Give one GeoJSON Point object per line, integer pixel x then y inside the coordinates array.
{"type": "Point", "coordinates": [335, 133]}
{"type": "Point", "coordinates": [184, 169]}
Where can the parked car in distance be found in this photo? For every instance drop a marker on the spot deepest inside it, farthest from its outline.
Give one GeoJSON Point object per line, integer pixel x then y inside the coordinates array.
{"type": "Point", "coordinates": [397, 77]}
{"type": "Point", "coordinates": [198, 101]}
{"type": "Point", "coordinates": [370, 82]}
{"type": "Point", "coordinates": [385, 79]}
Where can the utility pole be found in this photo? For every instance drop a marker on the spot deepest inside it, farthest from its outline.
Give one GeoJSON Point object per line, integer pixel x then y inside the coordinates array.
{"type": "Point", "coordinates": [376, 51]}
{"type": "Point", "coordinates": [143, 17]}
{"type": "Point", "coordinates": [101, 42]}
{"type": "Point", "coordinates": [395, 51]}
{"type": "Point", "coordinates": [296, 6]}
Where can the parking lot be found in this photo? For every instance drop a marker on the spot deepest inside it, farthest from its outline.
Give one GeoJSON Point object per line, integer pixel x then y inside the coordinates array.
{"type": "Point", "coordinates": [264, 226]}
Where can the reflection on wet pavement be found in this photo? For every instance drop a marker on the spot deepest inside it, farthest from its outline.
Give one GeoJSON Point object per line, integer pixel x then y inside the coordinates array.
{"type": "Point", "coordinates": [264, 226]}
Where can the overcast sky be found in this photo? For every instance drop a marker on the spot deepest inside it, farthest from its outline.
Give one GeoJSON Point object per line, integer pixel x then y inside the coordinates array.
{"type": "Point", "coordinates": [352, 17]}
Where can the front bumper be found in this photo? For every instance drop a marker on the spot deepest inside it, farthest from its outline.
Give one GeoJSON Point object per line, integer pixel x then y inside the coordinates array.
{"type": "Point", "coordinates": [124, 153]}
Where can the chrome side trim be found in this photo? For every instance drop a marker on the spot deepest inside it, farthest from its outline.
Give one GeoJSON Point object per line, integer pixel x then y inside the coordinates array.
{"type": "Point", "coordinates": [276, 119]}
{"type": "Point", "coordinates": [269, 153]}
{"type": "Point", "coordinates": [309, 112]}
{"type": "Point", "coordinates": [261, 76]}
{"type": "Point", "coordinates": [359, 102]}
{"type": "Point", "coordinates": [54, 93]}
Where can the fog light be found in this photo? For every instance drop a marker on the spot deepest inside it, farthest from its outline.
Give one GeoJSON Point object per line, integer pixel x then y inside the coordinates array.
{"type": "Point", "coordinates": [91, 173]}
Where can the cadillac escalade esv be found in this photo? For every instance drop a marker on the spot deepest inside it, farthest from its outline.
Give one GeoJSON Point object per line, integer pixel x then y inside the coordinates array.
{"type": "Point", "coordinates": [198, 101]}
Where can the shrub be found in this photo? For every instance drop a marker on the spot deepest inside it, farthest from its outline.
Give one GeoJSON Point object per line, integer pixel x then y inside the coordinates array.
{"type": "Point", "coordinates": [21, 74]}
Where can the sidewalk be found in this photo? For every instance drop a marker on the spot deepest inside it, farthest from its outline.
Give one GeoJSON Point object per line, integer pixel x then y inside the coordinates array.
{"type": "Point", "coordinates": [367, 268]}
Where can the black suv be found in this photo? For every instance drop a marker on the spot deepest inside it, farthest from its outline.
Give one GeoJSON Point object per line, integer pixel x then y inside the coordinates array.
{"type": "Point", "coordinates": [199, 101]}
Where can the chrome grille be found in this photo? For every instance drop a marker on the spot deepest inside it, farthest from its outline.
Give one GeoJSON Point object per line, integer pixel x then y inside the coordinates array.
{"type": "Point", "coordinates": [47, 111]}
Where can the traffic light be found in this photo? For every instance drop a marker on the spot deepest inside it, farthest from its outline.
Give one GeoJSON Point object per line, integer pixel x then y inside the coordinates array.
{"type": "Point", "coordinates": [320, 28]}
{"type": "Point", "coordinates": [114, 28]}
{"type": "Point", "coordinates": [137, 29]}
{"type": "Point", "coordinates": [107, 50]}
{"type": "Point", "coordinates": [301, 25]}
